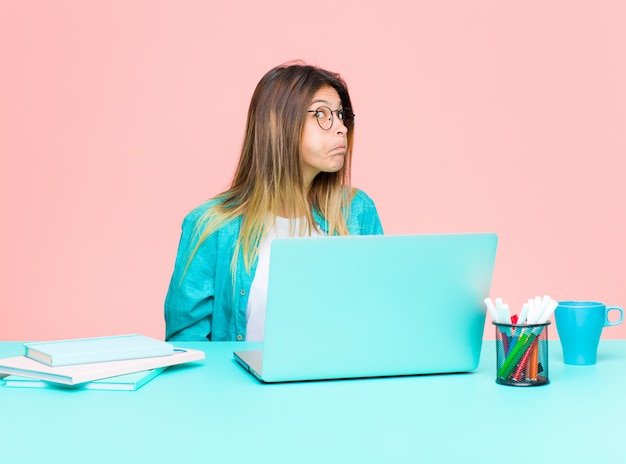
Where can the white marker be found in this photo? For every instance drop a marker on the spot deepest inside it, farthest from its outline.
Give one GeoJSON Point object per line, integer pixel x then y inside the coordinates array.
{"type": "Point", "coordinates": [506, 312]}
{"type": "Point", "coordinates": [547, 313]}
{"type": "Point", "coordinates": [523, 314]}
{"type": "Point", "coordinates": [502, 313]}
{"type": "Point", "coordinates": [543, 304]}
{"type": "Point", "coordinates": [492, 310]}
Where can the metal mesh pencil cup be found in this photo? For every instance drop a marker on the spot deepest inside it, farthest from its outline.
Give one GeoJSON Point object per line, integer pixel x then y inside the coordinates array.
{"type": "Point", "coordinates": [522, 354]}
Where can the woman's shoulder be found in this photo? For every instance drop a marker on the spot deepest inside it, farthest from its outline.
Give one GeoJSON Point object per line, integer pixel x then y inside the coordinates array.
{"type": "Point", "coordinates": [201, 210]}
{"type": "Point", "coordinates": [360, 199]}
{"type": "Point", "coordinates": [363, 216]}
{"type": "Point", "coordinates": [209, 212]}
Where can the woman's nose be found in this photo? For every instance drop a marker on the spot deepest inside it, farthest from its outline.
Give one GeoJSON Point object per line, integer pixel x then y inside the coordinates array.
{"type": "Point", "coordinates": [341, 128]}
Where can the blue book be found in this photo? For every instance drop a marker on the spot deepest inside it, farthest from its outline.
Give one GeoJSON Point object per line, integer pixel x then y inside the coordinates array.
{"type": "Point", "coordinates": [127, 382]}
{"type": "Point", "coordinates": [100, 349]}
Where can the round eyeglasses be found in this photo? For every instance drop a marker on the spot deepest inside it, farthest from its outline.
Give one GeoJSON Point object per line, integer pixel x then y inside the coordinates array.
{"type": "Point", "coordinates": [325, 119]}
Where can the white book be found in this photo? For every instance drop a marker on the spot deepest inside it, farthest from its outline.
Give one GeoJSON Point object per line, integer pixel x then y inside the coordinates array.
{"type": "Point", "coordinates": [80, 373]}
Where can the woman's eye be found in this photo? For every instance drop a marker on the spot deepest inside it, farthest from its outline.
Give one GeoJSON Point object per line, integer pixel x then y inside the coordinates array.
{"type": "Point", "coordinates": [319, 114]}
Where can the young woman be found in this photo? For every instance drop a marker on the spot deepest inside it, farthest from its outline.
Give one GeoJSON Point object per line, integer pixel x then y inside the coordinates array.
{"type": "Point", "coordinates": [293, 179]}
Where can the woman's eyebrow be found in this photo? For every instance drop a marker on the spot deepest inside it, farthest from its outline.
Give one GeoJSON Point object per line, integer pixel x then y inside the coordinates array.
{"type": "Point", "coordinates": [325, 102]}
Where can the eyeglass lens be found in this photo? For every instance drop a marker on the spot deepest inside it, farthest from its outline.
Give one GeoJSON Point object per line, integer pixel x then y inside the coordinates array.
{"type": "Point", "coordinates": [325, 117]}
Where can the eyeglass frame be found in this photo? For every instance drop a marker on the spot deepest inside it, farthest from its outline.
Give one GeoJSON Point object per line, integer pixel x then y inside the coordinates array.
{"type": "Point", "coordinates": [332, 118]}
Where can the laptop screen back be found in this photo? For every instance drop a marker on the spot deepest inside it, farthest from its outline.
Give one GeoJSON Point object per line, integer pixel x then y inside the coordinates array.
{"type": "Point", "coordinates": [364, 306]}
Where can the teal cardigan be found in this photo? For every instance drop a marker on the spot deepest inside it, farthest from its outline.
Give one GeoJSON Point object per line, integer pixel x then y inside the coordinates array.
{"type": "Point", "coordinates": [203, 305]}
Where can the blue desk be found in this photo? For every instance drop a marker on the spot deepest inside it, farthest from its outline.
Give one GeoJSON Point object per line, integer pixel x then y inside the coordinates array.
{"type": "Point", "coordinates": [213, 411]}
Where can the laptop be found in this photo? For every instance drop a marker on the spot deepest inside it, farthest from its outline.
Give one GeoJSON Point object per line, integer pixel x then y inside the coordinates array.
{"type": "Point", "coordinates": [373, 306]}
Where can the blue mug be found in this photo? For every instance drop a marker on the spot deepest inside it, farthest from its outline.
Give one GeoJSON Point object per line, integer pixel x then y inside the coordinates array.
{"type": "Point", "coordinates": [579, 325]}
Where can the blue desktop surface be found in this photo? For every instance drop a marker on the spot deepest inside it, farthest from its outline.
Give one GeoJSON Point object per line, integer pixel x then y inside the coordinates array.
{"type": "Point", "coordinates": [214, 411]}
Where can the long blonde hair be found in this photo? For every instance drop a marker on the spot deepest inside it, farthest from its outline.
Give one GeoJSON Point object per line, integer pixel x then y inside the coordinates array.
{"type": "Point", "coordinates": [269, 178]}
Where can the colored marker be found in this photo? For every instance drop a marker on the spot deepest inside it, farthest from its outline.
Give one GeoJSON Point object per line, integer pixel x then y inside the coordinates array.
{"type": "Point", "coordinates": [533, 362]}
{"type": "Point", "coordinates": [517, 375]}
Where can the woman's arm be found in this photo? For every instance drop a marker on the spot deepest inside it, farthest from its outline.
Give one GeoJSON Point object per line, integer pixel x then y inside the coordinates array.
{"type": "Point", "coordinates": [190, 298]}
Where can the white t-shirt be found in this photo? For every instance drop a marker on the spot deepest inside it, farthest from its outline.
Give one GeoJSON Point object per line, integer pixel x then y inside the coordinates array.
{"type": "Point", "coordinates": [255, 311]}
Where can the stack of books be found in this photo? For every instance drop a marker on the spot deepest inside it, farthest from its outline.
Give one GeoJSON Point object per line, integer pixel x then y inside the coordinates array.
{"type": "Point", "coordinates": [121, 362]}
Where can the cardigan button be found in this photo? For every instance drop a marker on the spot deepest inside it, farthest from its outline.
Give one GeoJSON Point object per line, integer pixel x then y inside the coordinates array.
{"type": "Point", "coordinates": [239, 337]}
{"type": "Point", "coordinates": [242, 292]}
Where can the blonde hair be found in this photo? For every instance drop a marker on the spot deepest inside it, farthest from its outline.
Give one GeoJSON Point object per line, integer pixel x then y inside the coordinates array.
{"type": "Point", "coordinates": [269, 178]}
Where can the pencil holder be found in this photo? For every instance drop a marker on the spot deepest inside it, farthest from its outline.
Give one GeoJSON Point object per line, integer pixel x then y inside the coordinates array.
{"type": "Point", "coordinates": [522, 354]}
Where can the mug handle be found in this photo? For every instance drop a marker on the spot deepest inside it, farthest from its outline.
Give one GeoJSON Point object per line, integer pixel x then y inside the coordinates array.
{"type": "Point", "coordinates": [607, 322]}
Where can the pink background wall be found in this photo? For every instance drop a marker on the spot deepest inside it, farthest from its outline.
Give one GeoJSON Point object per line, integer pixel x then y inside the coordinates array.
{"type": "Point", "coordinates": [118, 117]}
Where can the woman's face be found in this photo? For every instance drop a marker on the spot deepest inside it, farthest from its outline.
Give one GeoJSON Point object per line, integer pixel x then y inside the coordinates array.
{"type": "Point", "coordinates": [323, 150]}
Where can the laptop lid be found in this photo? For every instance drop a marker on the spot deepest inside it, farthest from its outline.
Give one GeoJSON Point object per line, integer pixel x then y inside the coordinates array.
{"type": "Point", "coordinates": [376, 305]}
